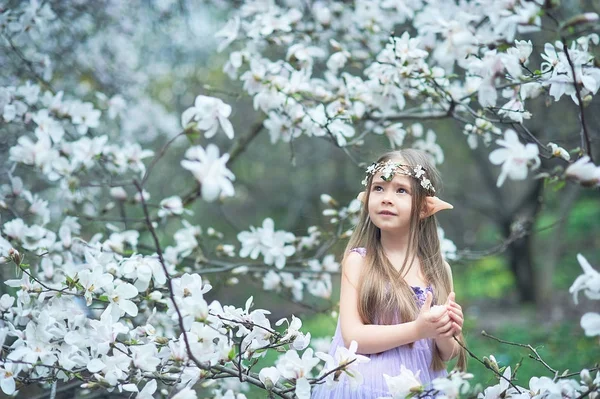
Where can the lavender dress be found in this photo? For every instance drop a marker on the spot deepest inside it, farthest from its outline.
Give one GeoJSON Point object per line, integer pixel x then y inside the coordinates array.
{"type": "Point", "coordinates": [374, 386]}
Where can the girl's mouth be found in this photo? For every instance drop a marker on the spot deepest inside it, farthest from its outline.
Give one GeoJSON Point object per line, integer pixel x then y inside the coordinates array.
{"type": "Point", "coordinates": [387, 213]}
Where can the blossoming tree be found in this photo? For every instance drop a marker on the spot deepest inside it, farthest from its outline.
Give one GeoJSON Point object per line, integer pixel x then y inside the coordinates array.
{"type": "Point", "coordinates": [101, 308]}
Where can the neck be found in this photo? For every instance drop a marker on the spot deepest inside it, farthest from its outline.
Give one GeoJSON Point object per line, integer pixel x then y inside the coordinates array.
{"type": "Point", "coordinates": [395, 243]}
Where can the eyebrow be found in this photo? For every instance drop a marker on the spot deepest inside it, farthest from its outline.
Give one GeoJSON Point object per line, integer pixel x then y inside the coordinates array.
{"type": "Point", "coordinates": [402, 184]}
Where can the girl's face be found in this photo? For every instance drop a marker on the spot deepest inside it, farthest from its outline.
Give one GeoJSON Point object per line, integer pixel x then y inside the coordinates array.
{"type": "Point", "coordinates": [390, 203]}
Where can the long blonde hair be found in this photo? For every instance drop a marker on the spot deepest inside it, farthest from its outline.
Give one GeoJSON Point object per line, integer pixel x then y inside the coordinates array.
{"type": "Point", "coordinates": [383, 292]}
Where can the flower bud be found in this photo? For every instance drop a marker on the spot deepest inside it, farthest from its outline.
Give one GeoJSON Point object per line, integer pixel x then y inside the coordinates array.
{"type": "Point", "coordinates": [15, 256]}
{"type": "Point", "coordinates": [328, 200]}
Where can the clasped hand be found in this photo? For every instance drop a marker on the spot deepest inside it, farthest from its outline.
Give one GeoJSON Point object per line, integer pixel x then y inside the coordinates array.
{"type": "Point", "coordinates": [440, 320]}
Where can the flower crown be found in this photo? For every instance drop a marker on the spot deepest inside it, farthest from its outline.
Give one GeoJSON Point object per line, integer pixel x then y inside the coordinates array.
{"type": "Point", "coordinates": [390, 168]}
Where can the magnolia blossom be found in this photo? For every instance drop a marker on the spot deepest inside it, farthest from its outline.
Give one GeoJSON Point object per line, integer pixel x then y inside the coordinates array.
{"type": "Point", "coordinates": [274, 245]}
{"type": "Point", "coordinates": [503, 389]}
{"type": "Point", "coordinates": [120, 296]}
{"type": "Point", "coordinates": [171, 206]}
{"type": "Point", "coordinates": [559, 152]}
{"type": "Point", "coordinates": [210, 170]}
{"type": "Point", "coordinates": [585, 171]}
{"type": "Point", "coordinates": [348, 359]}
{"type": "Point", "coordinates": [269, 376]}
{"type": "Point", "coordinates": [430, 146]}
{"type": "Point", "coordinates": [142, 269]}
{"type": "Point", "coordinates": [514, 157]}
{"type": "Point", "coordinates": [404, 383]}
{"type": "Point", "coordinates": [590, 322]}
{"type": "Point", "coordinates": [84, 116]}
{"type": "Point", "coordinates": [454, 385]}
{"type": "Point", "coordinates": [209, 113]}
{"type": "Point", "coordinates": [292, 366]}
{"type": "Point", "coordinates": [8, 371]}
{"type": "Point", "coordinates": [588, 282]}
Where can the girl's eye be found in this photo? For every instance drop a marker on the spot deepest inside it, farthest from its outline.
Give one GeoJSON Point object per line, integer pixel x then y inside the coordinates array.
{"type": "Point", "coordinates": [377, 188]}
{"type": "Point", "coordinates": [402, 191]}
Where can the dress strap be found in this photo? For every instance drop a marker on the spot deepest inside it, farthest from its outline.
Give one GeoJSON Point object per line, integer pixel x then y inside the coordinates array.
{"type": "Point", "coordinates": [360, 250]}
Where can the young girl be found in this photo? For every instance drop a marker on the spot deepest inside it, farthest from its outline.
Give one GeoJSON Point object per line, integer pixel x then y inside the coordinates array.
{"type": "Point", "coordinates": [392, 274]}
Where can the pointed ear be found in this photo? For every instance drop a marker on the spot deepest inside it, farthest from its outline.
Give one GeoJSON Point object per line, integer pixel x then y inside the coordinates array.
{"type": "Point", "coordinates": [361, 196]}
{"type": "Point", "coordinates": [433, 205]}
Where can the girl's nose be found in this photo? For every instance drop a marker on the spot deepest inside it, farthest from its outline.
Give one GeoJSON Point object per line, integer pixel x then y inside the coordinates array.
{"type": "Point", "coordinates": [386, 200]}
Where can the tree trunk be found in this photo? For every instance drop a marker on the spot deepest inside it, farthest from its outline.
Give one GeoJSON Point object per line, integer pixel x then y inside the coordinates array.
{"type": "Point", "coordinates": [520, 249]}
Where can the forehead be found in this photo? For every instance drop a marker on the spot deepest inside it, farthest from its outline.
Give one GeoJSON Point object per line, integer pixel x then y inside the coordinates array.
{"type": "Point", "coordinates": [398, 178]}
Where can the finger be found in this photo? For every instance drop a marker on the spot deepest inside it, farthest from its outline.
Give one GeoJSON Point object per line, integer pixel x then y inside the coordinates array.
{"type": "Point", "coordinates": [457, 328]}
{"type": "Point", "coordinates": [450, 333]}
{"type": "Point", "coordinates": [456, 312]}
{"type": "Point", "coordinates": [443, 320]}
{"type": "Point", "coordinates": [458, 321]}
{"type": "Point", "coordinates": [444, 329]}
{"type": "Point", "coordinates": [451, 297]}
{"type": "Point", "coordinates": [438, 318]}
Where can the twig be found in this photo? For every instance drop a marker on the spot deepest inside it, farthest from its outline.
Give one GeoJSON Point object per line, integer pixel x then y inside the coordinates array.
{"type": "Point", "coordinates": [577, 373]}
{"type": "Point", "coordinates": [585, 139]}
{"type": "Point", "coordinates": [487, 366]}
{"type": "Point", "coordinates": [531, 348]}
{"type": "Point", "coordinates": [159, 156]}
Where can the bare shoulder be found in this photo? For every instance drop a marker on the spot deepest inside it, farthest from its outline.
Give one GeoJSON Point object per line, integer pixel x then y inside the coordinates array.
{"type": "Point", "coordinates": [448, 271]}
{"type": "Point", "coordinates": [447, 268]}
{"type": "Point", "coordinates": [352, 266]}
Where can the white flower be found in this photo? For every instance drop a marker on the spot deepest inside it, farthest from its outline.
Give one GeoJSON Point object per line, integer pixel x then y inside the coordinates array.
{"type": "Point", "coordinates": [404, 383]}
{"type": "Point", "coordinates": [514, 110]}
{"type": "Point", "coordinates": [49, 125]}
{"type": "Point", "coordinates": [430, 146]}
{"type": "Point", "coordinates": [590, 322]}
{"type": "Point", "coordinates": [8, 372]}
{"type": "Point", "coordinates": [210, 170]}
{"type": "Point", "coordinates": [171, 206]}
{"type": "Point", "coordinates": [544, 387]}
{"type": "Point", "coordinates": [119, 297]}
{"type": "Point", "coordinates": [589, 281]}
{"type": "Point", "coordinates": [142, 269]}
{"type": "Point", "coordinates": [274, 245]}
{"type": "Point", "coordinates": [291, 366]}
{"type": "Point", "coordinates": [514, 157]}
{"type": "Point", "coordinates": [269, 376]}
{"type": "Point", "coordinates": [41, 153]}
{"type": "Point", "coordinates": [116, 106]}
{"type": "Point", "coordinates": [278, 248]}
{"type": "Point", "coordinates": [209, 113]}
{"type": "Point", "coordinates": [229, 33]}
{"type": "Point", "coordinates": [395, 134]}
{"type": "Point", "coordinates": [584, 171]}
{"type": "Point", "coordinates": [559, 152]}
{"type": "Point", "coordinates": [302, 390]}
{"type": "Point", "coordinates": [118, 193]}
{"type": "Point", "coordinates": [93, 282]}
{"type": "Point", "coordinates": [186, 393]}
{"type": "Point", "coordinates": [454, 385]}
{"type": "Point", "coordinates": [271, 281]}
{"type": "Point", "coordinates": [84, 116]}
{"type": "Point", "coordinates": [448, 247]}
{"type": "Point", "coordinates": [348, 360]}
{"type": "Point", "coordinates": [148, 391]}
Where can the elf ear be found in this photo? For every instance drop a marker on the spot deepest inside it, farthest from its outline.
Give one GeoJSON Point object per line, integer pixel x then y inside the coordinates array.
{"type": "Point", "coordinates": [361, 196]}
{"type": "Point", "coordinates": [433, 205]}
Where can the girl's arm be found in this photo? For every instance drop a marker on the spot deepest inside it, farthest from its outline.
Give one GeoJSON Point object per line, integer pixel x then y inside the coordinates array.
{"type": "Point", "coordinates": [372, 338]}
{"type": "Point", "coordinates": [446, 344]}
